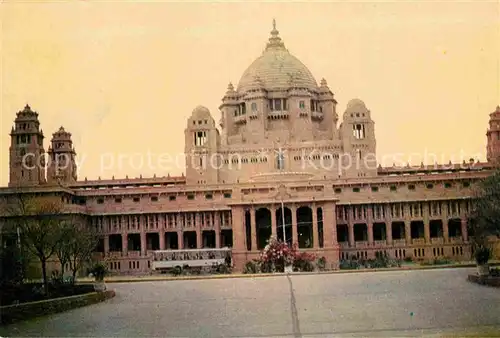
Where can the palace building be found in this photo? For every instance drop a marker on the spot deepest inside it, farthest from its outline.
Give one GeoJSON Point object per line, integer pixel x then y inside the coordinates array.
{"type": "Point", "coordinates": [279, 156]}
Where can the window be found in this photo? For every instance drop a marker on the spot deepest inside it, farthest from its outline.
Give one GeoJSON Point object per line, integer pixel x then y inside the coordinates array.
{"type": "Point", "coordinates": [137, 199]}
{"type": "Point", "coordinates": [100, 201]}
{"type": "Point", "coordinates": [358, 131]}
{"type": "Point", "coordinates": [393, 188]}
{"type": "Point", "coordinates": [118, 200]}
{"type": "Point", "coordinates": [302, 104]}
{"type": "Point", "coordinates": [355, 189]}
{"type": "Point", "coordinates": [154, 198]}
{"type": "Point", "coordinates": [200, 138]}
{"type": "Point", "coordinates": [277, 104]}
{"type": "Point", "coordinates": [227, 195]}
{"type": "Point", "coordinates": [254, 106]}
{"type": "Point", "coordinates": [374, 189]}
{"type": "Point", "coordinates": [190, 197]}
{"type": "Point", "coordinates": [208, 196]}
{"type": "Point", "coordinates": [171, 198]}
{"type": "Point", "coordinates": [337, 190]}
{"type": "Point", "coordinates": [447, 185]}
{"type": "Point", "coordinates": [466, 184]}
{"type": "Point", "coordinates": [280, 160]}
{"type": "Point", "coordinates": [411, 187]}
{"type": "Point", "coordinates": [430, 186]}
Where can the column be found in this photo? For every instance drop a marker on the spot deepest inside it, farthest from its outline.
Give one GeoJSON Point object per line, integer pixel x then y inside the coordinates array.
{"type": "Point", "coordinates": [217, 229]}
{"type": "Point", "coordinates": [295, 236]}
{"type": "Point", "coordinates": [427, 227]}
{"type": "Point", "coordinates": [444, 220]}
{"type": "Point", "coordinates": [143, 243]}
{"type": "Point", "coordinates": [350, 226]}
{"type": "Point", "coordinates": [388, 224]}
{"type": "Point", "coordinates": [273, 221]}
{"type": "Point", "coordinates": [328, 224]}
{"type": "Point", "coordinates": [238, 228]}
{"type": "Point", "coordinates": [106, 245]}
{"type": "Point", "coordinates": [465, 235]}
{"type": "Point", "coordinates": [314, 208]}
{"type": "Point", "coordinates": [161, 234]}
{"type": "Point", "coordinates": [408, 232]}
{"type": "Point", "coordinates": [180, 239]}
{"type": "Point", "coordinates": [253, 228]}
{"type": "Point", "coordinates": [334, 226]}
{"type": "Point", "coordinates": [197, 221]}
{"type": "Point", "coordinates": [369, 224]}
{"type": "Point", "coordinates": [124, 244]}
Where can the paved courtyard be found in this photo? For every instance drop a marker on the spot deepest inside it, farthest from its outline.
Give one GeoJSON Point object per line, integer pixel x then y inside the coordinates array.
{"type": "Point", "coordinates": [400, 303]}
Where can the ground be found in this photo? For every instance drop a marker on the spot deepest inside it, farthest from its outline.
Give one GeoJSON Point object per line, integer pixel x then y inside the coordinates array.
{"type": "Point", "coordinates": [393, 303]}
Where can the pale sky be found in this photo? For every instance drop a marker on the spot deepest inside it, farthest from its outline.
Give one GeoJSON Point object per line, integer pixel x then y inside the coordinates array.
{"type": "Point", "coordinates": [124, 77]}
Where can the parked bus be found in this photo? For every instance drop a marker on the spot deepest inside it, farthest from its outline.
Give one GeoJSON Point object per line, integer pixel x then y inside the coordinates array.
{"type": "Point", "coordinates": [193, 258]}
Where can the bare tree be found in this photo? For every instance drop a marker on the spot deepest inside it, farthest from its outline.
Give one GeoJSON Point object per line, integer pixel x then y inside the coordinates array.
{"type": "Point", "coordinates": [63, 246]}
{"type": "Point", "coordinates": [81, 246]}
{"type": "Point", "coordinates": [40, 223]}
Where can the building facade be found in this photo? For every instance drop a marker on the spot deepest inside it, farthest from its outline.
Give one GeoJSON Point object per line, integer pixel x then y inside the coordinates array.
{"type": "Point", "coordinates": [278, 163]}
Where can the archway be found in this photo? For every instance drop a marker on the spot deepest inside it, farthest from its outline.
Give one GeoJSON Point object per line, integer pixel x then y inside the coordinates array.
{"type": "Point", "coordinates": [263, 225]}
{"type": "Point", "coordinates": [288, 224]}
{"type": "Point", "coordinates": [305, 227]}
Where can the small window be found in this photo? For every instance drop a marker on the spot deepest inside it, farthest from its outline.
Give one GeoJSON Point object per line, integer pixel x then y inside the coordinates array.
{"type": "Point", "coordinates": [374, 189]}
{"type": "Point", "coordinates": [137, 199]}
{"type": "Point", "coordinates": [100, 201]}
{"type": "Point", "coordinates": [411, 187]}
{"type": "Point", "coordinates": [430, 186]}
{"type": "Point", "coordinates": [227, 195]}
{"type": "Point", "coordinates": [393, 188]}
{"type": "Point", "coordinates": [302, 104]}
{"type": "Point", "coordinates": [337, 190]}
{"type": "Point", "coordinates": [447, 185]}
{"type": "Point", "coordinates": [355, 189]}
{"type": "Point", "coordinates": [154, 198]}
{"type": "Point", "coordinates": [171, 198]}
{"type": "Point", "coordinates": [190, 197]}
{"type": "Point", "coordinates": [466, 184]}
{"type": "Point", "coordinates": [118, 200]}
{"type": "Point", "coordinates": [208, 196]}
{"type": "Point", "coordinates": [253, 106]}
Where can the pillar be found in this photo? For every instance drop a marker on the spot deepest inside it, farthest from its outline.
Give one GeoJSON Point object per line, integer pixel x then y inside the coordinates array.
{"type": "Point", "coordinates": [217, 229]}
{"type": "Point", "coordinates": [328, 224]}
{"type": "Point", "coordinates": [161, 234]}
{"type": "Point", "coordinates": [463, 223]}
{"type": "Point", "coordinates": [197, 221]}
{"type": "Point", "coordinates": [427, 227]}
{"type": "Point", "coordinates": [388, 224]}
{"type": "Point", "coordinates": [239, 233]}
{"type": "Point", "coordinates": [444, 220]}
{"type": "Point", "coordinates": [408, 232]}
{"type": "Point", "coordinates": [106, 245]}
{"type": "Point", "coordinates": [253, 229]}
{"type": "Point", "coordinates": [124, 244]}
{"type": "Point", "coordinates": [273, 221]}
{"type": "Point", "coordinates": [295, 236]}
{"type": "Point", "coordinates": [369, 225]}
{"type": "Point", "coordinates": [180, 239]}
{"type": "Point", "coordinates": [143, 243]}
{"type": "Point", "coordinates": [315, 226]}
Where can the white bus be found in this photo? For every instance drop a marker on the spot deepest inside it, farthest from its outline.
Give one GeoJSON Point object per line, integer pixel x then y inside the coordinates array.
{"type": "Point", "coordinates": [198, 258]}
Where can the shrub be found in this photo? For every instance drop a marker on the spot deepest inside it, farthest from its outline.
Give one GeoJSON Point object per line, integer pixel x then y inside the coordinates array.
{"type": "Point", "coordinates": [321, 264]}
{"type": "Point", "coordinates": [251, 267]}
{"type": "Point", "coordinates": [99, 271]}
{"type": "Point", "coordinates": [482, 255]}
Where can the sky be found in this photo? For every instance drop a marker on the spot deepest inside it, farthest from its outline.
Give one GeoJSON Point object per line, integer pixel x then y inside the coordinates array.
{"type": "Point", "coordinates": [123, 77]}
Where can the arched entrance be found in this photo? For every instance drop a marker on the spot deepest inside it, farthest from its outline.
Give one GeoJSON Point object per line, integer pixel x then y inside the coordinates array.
{"type": "Point", "coordinates": [304, 227]}
{"type": "Point", "coordinates": [263, 225]}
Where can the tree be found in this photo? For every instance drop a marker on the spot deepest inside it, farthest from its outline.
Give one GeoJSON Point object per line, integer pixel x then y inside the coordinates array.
{"type": "Point", "coordinates": [484, 219]}
{"type": "Point", "coordinates": [40, 224]}
{"type": "Point", "coordinates": [62, 250]}
{"type": "Point", "coordinates": [81, 247]}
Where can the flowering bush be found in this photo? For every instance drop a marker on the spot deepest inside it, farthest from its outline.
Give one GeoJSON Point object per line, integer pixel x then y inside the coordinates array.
{"type": "Point", "coordinates": [277, 254]}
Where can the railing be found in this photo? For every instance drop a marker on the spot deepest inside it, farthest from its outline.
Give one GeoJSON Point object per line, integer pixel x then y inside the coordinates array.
{"type": "Point", "coordinates": [361, 244]}
{"type": "Point", "coordinates": [344, 245]}
{"type": "Point", "coordinates": [456, 240]}
{"type": "Point", "coordinates": [166, 259]}
{"type": "Point", "coordinates": [418, 241]}
{"type": "Point", "coordinates": [380, 243]}
{"type": "Point", "coordinates": [399, 242]}
{"type": "Point", "coordinates": [114, 254]}
{"type": "Point", "coordinates": [437, 240]}
{"type": "Point", "coordinates": [134, 253]}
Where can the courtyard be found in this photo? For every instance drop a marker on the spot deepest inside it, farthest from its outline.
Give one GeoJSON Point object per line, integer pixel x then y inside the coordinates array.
{"type": "Point", "coordinates": [392, 303]}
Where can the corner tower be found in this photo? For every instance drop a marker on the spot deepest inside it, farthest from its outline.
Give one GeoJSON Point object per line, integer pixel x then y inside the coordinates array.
{"type": "Point", "coordinates": [201, 148]}
{"type": "Point", "coordinates": [62, 165]}
{"type": "Point", "coordinates": [27, 155]}
{"type": "Point", "coordinates": [493, 137]}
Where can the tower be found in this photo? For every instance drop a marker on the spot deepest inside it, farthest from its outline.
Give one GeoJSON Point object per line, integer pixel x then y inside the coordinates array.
{"type": "Point", "coordinates": [201, 146]}
{"type": "Point", "coordinates": [358, 141]}
{"type": "Point", "coordinates": [493, 137]}
{"type": "Point", "coordinates": [61, 160]}
{"type": "Point", "coordinates": [27, 156]}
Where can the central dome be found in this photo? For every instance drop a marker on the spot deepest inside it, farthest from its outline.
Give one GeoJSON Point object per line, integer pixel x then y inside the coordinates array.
{"type": "Point", "coordinates": [276, 69]}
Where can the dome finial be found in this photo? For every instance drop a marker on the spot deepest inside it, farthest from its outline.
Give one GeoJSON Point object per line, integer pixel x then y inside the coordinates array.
{"type": "Point", "coordinates": [275, 40]}
{"type": "Point", "coordinates": [274, 24]}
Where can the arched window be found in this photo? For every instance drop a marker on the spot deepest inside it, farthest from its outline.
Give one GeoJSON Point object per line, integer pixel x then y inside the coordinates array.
{"type": "Point", "coordinates": [254, 106]}
{"type": "Point", "coordinates": [280, 160]}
